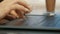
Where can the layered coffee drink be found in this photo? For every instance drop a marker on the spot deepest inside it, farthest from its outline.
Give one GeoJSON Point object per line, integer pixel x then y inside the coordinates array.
{"type": "Point", "coordinates": [50, 5]}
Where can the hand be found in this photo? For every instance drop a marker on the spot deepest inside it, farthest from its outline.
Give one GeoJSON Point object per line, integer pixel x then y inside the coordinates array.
{"type": "Point", "coordinates": [16, 8]}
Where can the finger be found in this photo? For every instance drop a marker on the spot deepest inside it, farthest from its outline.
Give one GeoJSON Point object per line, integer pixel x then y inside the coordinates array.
{"type": "Point", "coordinates": [10, 17]}
{"type": "Point", "coordinates": [13, 12]}
{"type": "Point", "coordinates": [20, 10]}
{"type": "Point", "coordinates": [14, 17]}
{"type": "Point", "coordinates": [21, 15]}
{"type": "Point", "coordinates": [19, 7]}
{"type": "Point", "coordinates": [25, 4]}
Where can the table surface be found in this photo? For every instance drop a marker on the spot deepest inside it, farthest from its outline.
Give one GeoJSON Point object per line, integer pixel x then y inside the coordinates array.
{"type": "Point", "coordinates": [36, 22]}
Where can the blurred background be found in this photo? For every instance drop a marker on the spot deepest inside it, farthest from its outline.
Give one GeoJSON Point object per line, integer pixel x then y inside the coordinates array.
{"type": "Point", "coordinates": [39, 6]}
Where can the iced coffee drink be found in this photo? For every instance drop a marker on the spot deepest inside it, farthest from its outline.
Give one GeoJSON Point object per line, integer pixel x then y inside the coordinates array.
{"type": "Point", "coordinates": [50, 5]}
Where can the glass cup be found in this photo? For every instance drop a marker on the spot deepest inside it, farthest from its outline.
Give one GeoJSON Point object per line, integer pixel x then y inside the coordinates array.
{"type": "Point", "coordinates": [50, 5]}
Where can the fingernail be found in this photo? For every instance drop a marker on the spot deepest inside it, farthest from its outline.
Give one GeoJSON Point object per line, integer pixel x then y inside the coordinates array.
{"type": "Point", "coordinates": [27, 10]}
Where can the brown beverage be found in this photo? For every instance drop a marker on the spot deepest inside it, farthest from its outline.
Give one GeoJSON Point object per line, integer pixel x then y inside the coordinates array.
{"type": "Point", "coordinates": [50, 5]}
